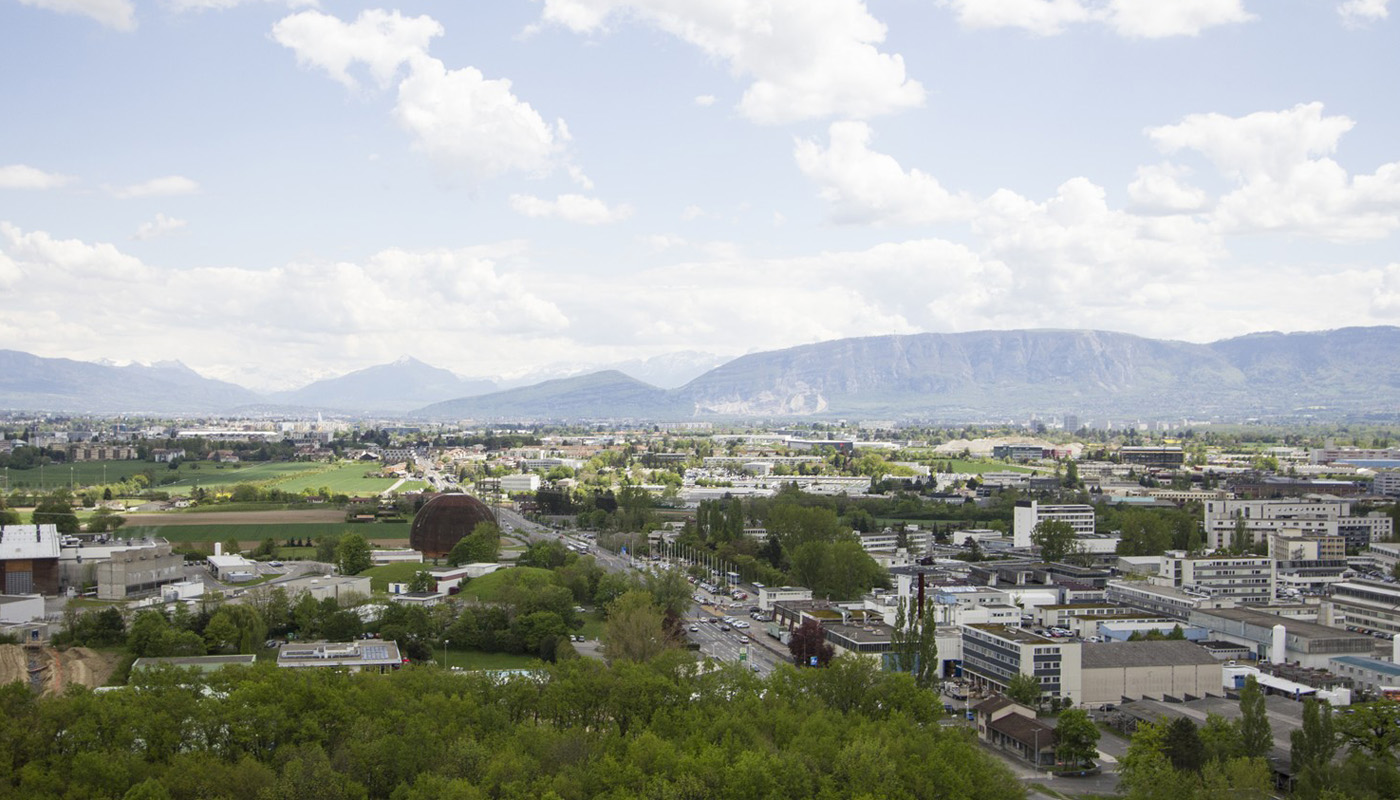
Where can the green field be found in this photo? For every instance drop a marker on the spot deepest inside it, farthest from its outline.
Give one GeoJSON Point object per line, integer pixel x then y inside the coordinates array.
{"type": "Point", "coordinates": [393, 533]}
{"type": "Point", "coordinates": [488, 586]}
{"type": "Point", "coordinates": [475, 660]}
{"type": "Point", "coordinates": [403, 572]}
{"type": "Point", "coordinates": [212, 478]}
{"type": "Point", "coordinates": [342, 479]}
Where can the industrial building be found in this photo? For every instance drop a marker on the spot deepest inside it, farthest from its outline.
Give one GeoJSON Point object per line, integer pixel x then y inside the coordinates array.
{"type": "Point", "coordinates": [1371, 606]}
{"type": "Point", "coordinates": [138, 570]}
{"type": "Point", "coordinates": [1112, 673]}
{"type": "Point", "coordinates": [341, 588]}
{"type": "Point", "coordinates": [29, 559]}
{"type": "Point", "coordinates": [994, 654]}
{"type": "Point", "coordinates": [1370, 675]}
{"type": "Point", "coordinates": [1307, 644]}
{"type": "Point", "coordinates": [379, 655]}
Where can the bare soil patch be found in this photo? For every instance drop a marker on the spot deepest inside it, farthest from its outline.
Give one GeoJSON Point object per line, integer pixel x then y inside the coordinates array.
{"type": "Point", "coordinates": [76, 665]}
{"type": "Point", "coordinates": [14, 664]}
{"type": "Point", "coordinates": [284, 517]}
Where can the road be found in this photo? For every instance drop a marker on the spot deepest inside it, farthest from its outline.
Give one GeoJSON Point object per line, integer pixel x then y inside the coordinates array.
{"type": "Point", "coordinates": [714, 641]}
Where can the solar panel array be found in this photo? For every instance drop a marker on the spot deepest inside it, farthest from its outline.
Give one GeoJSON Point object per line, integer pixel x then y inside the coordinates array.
{"type": "Point", "coordinates": [374, 652]}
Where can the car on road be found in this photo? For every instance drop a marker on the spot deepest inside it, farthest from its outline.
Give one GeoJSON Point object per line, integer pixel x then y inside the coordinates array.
{"type": "Point", "coordinates": [725, 628]}
{"type": "Point", "coordinates": [694, 628]}
{"type": "Point", "coordinates": [743, 640]}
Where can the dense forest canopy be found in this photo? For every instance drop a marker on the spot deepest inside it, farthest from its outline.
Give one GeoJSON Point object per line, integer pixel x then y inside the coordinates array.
{"type": "Point", "coordinates": [578, 730]}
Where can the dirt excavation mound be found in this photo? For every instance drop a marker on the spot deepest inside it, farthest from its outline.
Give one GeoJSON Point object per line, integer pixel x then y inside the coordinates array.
{"type": "Point", "coordinates": [14, 664]}
{"type": "Point", "coordinates": [77, 665]}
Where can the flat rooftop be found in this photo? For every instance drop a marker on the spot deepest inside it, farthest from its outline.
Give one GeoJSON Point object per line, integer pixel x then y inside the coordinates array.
{"type": "Point", "coordinates": [1020, 635]}
{"type": "Point", "coordinates": [1374, 664]}
{"type": "Point", "coordinates": [1294, 627]}
{"type": "Point", "coordinates": [1144, 654]}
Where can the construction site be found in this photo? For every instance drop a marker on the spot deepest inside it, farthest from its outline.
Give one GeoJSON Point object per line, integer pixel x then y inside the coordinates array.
{"type": "Point", "coordinates": [49, 671]}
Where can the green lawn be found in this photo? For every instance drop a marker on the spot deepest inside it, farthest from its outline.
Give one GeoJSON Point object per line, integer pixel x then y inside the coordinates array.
{"type": "Point", "coordinates": [475, 659]}
{"type": "Point", "coordinates": [402, 572]}
{"type": "Point", "coordinates": [341, 479]}
{"type": "Point", "coordinates": [223, 477]}
{"type": "Point", "coordinates": [593, 625]}
{"type": "Point", "coordinates": [392, 533]}
{"type": "Point", "coordinates": [487, 586]}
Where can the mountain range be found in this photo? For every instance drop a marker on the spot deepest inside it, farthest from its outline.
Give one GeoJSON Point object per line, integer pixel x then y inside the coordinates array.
{"type": "Point", "coordinates": [936, 377]}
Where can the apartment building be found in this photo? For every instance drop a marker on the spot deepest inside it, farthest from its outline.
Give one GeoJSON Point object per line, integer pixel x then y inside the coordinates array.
{"type": "Point", "coordinates": [1307, 563]}
{"type": "Point", "coordinates": [994, 654]}
{"type": "Point", "coordinates": [887, 541]}
{"type": "Point", "coordinates": [1153, 457]}
{"type": "Point", "coordinates": [1029, 513]}
{"type": "Point", "coordinates": [1316, 517]}
{"type": "Point", "coordinates": [1247, 579]}
{"type": "Point", "coordinates": [1387, 482]}
{"type": "Point", "coordinates": [1371, 606]}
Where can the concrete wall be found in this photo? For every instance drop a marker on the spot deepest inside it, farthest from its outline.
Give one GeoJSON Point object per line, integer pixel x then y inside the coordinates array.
{"type": "Point", "coordinates": [1111, 684]}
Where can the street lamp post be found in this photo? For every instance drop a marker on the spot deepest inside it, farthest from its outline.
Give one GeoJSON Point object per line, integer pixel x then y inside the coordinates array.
{"type": "Point", "coordinates": [445, 643]}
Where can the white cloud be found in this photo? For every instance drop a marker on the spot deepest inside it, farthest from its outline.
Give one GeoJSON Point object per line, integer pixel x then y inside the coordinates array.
{"type": "Point", "coordinates": [220, 5]}
{"type": "Point", "coordinates": [1144, 19]}
{"type": "Point", "coordinates": [705, 100]}
{"type": "Point", "coordinates": [21, 176]}
{"type": "Point", "coordinates": [381, 40]}
{"type": "Point", "coordinates": [692, 212]}
{"type": "Point", "coordinates": [458, 117]}
{"type": "Point", "coordinates": [340, 314]}
{"type": "Point", "coordinates": [570, 208]}
{"type": "Point", "coordinates": [158, 227]}
{"type": "Point", "coordinates": [1284, 179]}
{"type": "Point", "coordinates": [1154, 19]}
{"type": "Point", "coordinates": [474, 124]}
{"type": "Point", "coordinates": [117, 14]}
{"type": "Point", "coordinates": [1043, 17]}
{"type": "Point", "coordinates": [808, 59]}
{"type": "Point", "coordinates": [577, 176]}
{"type": "Point", "coordinates": [864, 186]}
{"type": "Point", "coordinates": [1356, 13]}
{"type": "Point", "coordinates": [1159, 189]}
{"type": "Point", "coordinates": [167, 186]}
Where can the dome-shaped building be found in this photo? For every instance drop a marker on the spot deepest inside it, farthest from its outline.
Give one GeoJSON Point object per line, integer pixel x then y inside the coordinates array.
{"type": "Point", "coordinates": [444, 520]}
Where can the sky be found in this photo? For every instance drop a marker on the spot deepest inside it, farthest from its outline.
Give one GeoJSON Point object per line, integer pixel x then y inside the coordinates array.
{"type": "Point", "coordinates": [273, 191]}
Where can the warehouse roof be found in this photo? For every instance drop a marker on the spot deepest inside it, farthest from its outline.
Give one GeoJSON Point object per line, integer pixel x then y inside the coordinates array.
{"type": "Point", "coordinates": [1144, 654]}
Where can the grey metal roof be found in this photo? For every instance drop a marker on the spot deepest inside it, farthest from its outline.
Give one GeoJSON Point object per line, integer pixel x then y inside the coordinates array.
{"type": "Point", "coordinates": [1144, 654]}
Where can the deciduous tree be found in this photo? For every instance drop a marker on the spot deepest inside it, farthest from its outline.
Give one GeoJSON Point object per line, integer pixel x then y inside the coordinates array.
{"type": "Point", "coordinates": [808, 645]}
{"type": "Point", "coordinates": [1054, 537]}
{"type": "Point", "coordinates": [352, 554]}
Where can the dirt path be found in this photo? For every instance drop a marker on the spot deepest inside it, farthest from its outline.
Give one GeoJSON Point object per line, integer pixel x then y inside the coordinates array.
{"type": "Point", "coordinates": [14, 664]}
{"type": "Point", "coordinates": [313, 517]}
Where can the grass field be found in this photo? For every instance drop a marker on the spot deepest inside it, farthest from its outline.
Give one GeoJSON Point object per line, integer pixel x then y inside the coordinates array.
{"type": "Point", "coordinates": [487, 586]}
{"type": "Point", "coordinates": [340, 479]}
{"type": "Point", "coordinates": [475, 660]}
{"type": "Point", "coordinates": [344, 478]}
{"type": "Point", "coordinates": [393, 533]}
{"type": "Point", "coordinates": [381, 577]}
{"type": "Point", "coordinates": [211, 478]}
